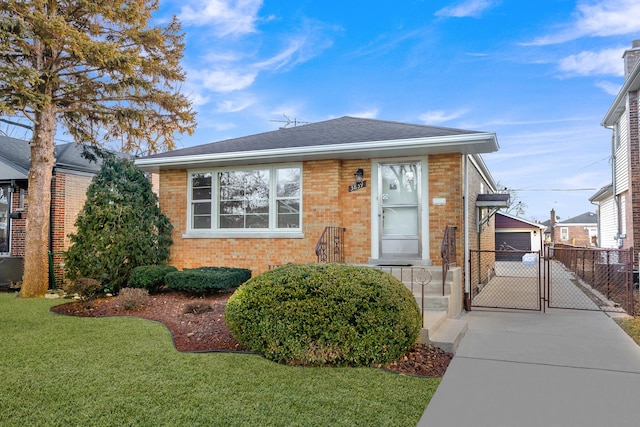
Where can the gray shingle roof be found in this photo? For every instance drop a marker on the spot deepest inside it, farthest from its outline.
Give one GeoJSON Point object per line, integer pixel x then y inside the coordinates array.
{"type": "Point", "coordinates": [343, 130]}
{"type": "Point", "coordinates": [16, 152]}
{"type": "Point", "coordinates": [585, 218]}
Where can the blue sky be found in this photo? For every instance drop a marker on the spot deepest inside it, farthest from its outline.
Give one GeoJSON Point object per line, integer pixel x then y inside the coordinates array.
{"type": "Point", "coordinates": [540, 74]}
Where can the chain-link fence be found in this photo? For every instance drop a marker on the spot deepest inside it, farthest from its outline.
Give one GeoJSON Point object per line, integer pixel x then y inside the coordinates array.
{"type": "Point", "coordinates": [590, 278]}
{"type": "Point", "coordinates": [511, 284]}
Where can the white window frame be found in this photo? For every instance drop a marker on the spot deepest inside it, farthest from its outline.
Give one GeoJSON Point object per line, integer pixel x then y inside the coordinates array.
{"type": "Point", "coordinates": [216, 232]}
{"type": "Point", "coordinates": [564, 233]}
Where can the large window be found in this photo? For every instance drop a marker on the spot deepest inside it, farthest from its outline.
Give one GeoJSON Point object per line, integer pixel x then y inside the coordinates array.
{"type": "Point", "coordinates": [264, 198]}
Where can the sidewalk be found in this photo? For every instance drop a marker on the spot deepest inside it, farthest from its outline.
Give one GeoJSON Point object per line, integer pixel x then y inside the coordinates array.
{"type": "Point", "coordinates": [521, 369]}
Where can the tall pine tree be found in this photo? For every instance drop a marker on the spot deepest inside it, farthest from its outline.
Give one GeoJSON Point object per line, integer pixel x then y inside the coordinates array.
{"type": "Point", "coordinates": [101, 71]}
{"type": "Point", "coordinates": [119, 228]}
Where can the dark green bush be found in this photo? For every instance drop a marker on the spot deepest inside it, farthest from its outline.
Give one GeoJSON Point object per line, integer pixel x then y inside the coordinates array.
{"type": "Point", "coordinates": [150, 277]}
{"type": "Point", "coordinates": [205, 280]}
{"type": "Point", "coordinates": [317, 314]}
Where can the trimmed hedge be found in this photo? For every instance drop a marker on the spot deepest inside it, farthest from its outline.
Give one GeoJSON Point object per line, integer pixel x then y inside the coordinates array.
{"type": "Point", "coordinates": [205, 280]}
{"type": "Point", "coordinates": [317, 314]}
{"type": "Point", "coordinates": [150, 277]}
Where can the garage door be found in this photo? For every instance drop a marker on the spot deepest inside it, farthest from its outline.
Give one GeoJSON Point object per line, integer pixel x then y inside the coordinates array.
{"type": "Point", "coordinates": [520, 241]}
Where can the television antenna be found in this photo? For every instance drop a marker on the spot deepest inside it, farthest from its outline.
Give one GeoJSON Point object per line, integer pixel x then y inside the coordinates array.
{"type": "Point", "coordinates": [288, 122]}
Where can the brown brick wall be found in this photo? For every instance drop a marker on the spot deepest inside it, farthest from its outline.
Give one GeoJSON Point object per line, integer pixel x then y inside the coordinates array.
{"type": "Point", "coordinates": [578, 236]}
{"type": "Point", "coordinates": [68, 193]}
{"type": "Point", "coordinates": [326, 202]}
{"type": "Point", "coordinates": [445, 181]}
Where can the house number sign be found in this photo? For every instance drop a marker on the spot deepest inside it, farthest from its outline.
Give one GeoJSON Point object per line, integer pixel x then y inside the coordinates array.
{"type": "Point", "coordinates": [357, 186]}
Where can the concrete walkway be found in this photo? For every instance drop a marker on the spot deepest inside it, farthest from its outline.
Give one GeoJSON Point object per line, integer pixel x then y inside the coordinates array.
{"type": "Point", "coordinates": [519, 369]}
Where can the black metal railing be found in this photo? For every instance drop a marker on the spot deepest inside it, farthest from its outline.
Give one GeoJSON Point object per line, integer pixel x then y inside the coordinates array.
{"type": "Point", "coordinates": [330, 246]}
{"type": "Point", "coordinates": [448, 252]}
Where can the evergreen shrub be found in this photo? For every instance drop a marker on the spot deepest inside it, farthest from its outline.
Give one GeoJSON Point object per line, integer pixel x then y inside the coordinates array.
{"type": "Point", "coordinates": [119, 228]}
{"type": "Point", "coordinates": [150, 277]}
{"type": "Point", "coordinates": [206, 280]}
{"type": "Point", "coordinates": [317, 314]}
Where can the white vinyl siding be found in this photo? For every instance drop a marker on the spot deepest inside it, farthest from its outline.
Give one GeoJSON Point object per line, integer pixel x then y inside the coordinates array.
{"type": "Point", "coordinates": [622, 155]}
{"type": "Point", "coordinates": [608, 226]}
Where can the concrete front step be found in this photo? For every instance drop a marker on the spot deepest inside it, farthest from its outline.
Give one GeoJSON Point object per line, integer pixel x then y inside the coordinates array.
{"type": "Point", "coordinates": [441, 331]}
{"type": "Point", "coordinates": [432, 302]}
{"type": "Point", "coordinates": [449, 334]}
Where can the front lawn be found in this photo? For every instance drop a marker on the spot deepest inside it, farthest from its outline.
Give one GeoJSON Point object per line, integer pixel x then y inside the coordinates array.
{"type": "Point", "coordinates": [59, 371]}
{"type": "Point", "coordinates": [631, 325]}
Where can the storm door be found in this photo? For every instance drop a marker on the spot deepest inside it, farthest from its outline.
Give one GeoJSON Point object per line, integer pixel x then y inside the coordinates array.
{"type": "Point", "coordinates": [399, 214]}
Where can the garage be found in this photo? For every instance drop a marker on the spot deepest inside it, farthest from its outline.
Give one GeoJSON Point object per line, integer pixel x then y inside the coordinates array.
{"type": "Point", "coordinates": [520, 241]}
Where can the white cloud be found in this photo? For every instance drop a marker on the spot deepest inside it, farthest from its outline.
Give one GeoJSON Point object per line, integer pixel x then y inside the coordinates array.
{"type": "Point", "coordinates": [589, 63]}
{"type": "Point", "coordinates": [226, 16]}
{"type": "Point", "coordinates": [608, 87]}
{"type": "Point", "coordinates": [234, 105]}
{"type": "Point", "coordinates": [438, 116]}
{"type": "Point", "coordinates": [468, 8]}
{"type": "Point", "coordinates": [599, 19]}
{"type": "Point", "coordinates": [222, 80]}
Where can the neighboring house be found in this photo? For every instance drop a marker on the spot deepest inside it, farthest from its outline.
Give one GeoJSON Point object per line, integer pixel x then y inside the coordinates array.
{"type": "Point", "coordinates": [618, 202]}
{"type": "Point", "coordinates": [72, 175]}
{"type": "Point", "coordinates": [611, 224]}
{"type": "Point", "coordinates": [266, 199]}
{"type": "Point", "coordinates": [513, 233]}
{"type": "Point", "coordinates": [581, 230]}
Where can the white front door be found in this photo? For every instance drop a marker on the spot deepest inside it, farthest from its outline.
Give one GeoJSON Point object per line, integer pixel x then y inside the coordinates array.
{"type": "Point", "coordinates": [399, 195]}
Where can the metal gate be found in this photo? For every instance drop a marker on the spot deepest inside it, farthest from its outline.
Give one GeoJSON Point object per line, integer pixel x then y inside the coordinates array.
{"type": "Point", "coordinates": [506, 279]}
{"type": "Point", "coordinates": [559, 277]}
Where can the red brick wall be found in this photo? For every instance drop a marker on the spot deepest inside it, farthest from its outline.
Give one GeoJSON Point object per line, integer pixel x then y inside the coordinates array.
{"type": "Point", "coordinates": [326, 202]}
{"type": "Point", "coordinates": [68, 194]}
{"type": "Point", "coordinates": [445, 182]}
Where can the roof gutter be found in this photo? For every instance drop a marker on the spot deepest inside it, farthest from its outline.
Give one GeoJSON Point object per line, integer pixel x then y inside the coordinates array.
{"type": "Point", "coordinates": [280, 154]}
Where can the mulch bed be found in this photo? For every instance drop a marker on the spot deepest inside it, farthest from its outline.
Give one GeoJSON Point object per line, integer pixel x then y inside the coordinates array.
{"type": "Point", "coordinates": [197, 324]}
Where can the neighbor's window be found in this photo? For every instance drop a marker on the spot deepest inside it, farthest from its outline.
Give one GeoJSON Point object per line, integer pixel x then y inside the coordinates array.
{"type": "Point", "coordinates": [564, 233]}
{"type": "Point", "coordinates": [266, 198]}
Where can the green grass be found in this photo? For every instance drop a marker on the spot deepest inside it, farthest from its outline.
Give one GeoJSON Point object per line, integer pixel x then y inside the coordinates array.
{"type": "Point", "coordinates": [68, 371]}
{"type": "Point", "coordinates": [631, 325]}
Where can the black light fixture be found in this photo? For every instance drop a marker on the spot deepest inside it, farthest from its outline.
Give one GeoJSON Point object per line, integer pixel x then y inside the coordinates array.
{"type": "Point", "coordinates": [359, 175]}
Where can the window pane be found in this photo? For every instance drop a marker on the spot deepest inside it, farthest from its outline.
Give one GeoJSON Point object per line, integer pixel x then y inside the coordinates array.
{"type": "Point", "coordinates": [231, 221]}
{"type": "Point", "coordinates": [257, 221]}
{"type": "Point", "coordinates": [201, 222]}
{"type": "Point", "coordinates": [201, 186]}
{"type": "Point", "coordinates": [234, 207]}
{"type": "Point", "coordinates": [288, 182]}
{"type": "Point", "coordinates": [201, 208]}
{"type": "Point", "coordinates": [288, 214]}
{"type": "Point", "coordinates": [201, 194]}
{"type": "Point", "coordinates": [201, 180]}
{"type": "Point", "coordinates": [244, 199]}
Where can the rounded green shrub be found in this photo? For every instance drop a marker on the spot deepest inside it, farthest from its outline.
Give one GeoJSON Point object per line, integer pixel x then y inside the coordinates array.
{"type": "Point", "coordinates": [150, 277]}
{"type": "Point", "coordinates": [205, 280]}
{"type": "Point", "coordinates": [317, 314]}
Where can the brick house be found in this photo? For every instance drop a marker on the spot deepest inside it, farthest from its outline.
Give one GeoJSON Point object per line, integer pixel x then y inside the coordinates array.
{"type": "Point", "coordinates": [72, 175]}
{"type": "Point", "coordinates": [267, 199]}
{"type": "Point", "coordinates": [619, 203]}
{"type": "Point", "coordinates": [581, 230]}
